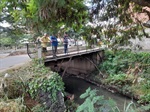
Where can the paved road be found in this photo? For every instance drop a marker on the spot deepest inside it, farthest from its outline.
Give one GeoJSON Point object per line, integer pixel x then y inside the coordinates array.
{"type": "Point", "coordinates": [11, 61]}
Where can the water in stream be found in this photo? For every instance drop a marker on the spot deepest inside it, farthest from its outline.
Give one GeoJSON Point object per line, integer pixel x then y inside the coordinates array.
{"type": "Point", "coordinates": [78, 86]}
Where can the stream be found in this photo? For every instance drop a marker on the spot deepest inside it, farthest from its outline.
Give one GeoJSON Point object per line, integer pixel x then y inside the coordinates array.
{"type": "Point", "coordinates": [78, 86]}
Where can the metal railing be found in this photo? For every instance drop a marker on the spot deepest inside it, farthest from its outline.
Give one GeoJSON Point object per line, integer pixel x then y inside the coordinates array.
{"type": "Point", "coordinates": [34, 50]}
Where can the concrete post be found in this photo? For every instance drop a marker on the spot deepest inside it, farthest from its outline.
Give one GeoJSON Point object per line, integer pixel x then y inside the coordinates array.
{"type": "Point", "coordinates": [39, 53]}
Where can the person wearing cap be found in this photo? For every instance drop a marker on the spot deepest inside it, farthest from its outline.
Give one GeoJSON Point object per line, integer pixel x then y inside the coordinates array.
{"type": "Point", "coordinates": [44, 41]}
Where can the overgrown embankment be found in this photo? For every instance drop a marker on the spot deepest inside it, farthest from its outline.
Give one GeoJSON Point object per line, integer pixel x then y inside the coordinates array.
{"type": "Point", "coordinates": [31, 88]}
{"type": "Point", "coordinates": [126, 72]}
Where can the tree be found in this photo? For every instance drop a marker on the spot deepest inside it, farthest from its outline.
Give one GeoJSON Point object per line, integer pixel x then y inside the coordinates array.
{"type": "Point", "coordinates": [112, 19]}
{"type": "Point", "coordinates": [45, 15]}
{"type": "Point", "coordinates": [142, 2]}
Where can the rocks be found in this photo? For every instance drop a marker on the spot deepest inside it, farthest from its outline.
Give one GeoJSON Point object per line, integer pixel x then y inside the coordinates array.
{"type": "Point", "coordinates": [54, 106]}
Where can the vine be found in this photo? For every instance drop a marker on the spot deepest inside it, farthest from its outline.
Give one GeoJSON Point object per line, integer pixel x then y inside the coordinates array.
{"type": "Point", "coordinates": [46, 81]}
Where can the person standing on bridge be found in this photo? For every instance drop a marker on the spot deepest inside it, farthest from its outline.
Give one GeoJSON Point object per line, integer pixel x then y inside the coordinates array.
{"type": "Point", "coordinates": [54, 42]}
{"type": "Point", "coordinates": [44, 41]}
{"type": "Point", "coordinates": [65, 41]}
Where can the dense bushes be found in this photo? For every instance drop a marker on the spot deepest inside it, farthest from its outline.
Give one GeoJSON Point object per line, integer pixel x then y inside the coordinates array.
{"type": "Point", "coordinates": [117, 65]}
{"type": "Point", "coordinates": [119, 61]}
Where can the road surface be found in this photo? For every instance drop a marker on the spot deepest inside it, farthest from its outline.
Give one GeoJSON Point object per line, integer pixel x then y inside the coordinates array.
{"type": "Point", "coordinates": [11, 61]}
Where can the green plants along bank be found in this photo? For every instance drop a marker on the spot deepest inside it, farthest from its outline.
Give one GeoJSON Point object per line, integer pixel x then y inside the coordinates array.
{"type": "Point", "coordinates": [47, 88]}
{"type": "Point", "coordinates": [128, 72]}
{"type": "Point", "coordinates": [37, 84]}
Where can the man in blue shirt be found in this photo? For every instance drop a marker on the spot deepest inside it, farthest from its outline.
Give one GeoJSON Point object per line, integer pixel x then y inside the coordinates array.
{"type": "Point", "coordinates": [54, 42]}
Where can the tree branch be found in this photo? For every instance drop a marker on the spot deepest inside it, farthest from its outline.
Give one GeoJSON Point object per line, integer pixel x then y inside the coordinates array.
{"type": "Point", "coordinates": [142, 2]}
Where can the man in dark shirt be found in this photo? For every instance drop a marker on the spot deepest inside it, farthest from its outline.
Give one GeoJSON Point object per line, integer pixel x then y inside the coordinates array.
{"type": "Point", "coordinates": [65, 41]}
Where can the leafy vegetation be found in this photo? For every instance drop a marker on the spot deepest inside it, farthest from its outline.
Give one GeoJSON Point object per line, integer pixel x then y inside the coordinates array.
{"type": "Point", "coordinates": [119, 61]}
{"type": "Point", "coordinates": [38, 16]}
{"type": "Point", "coordinates": [32, 80]}
{"type": "Point", "coordinates": [95, 103]}
{"type": "Point", "coordinates": [119, 79]}
{"type": "Point", "coordinates": [145, 87]}
{"type": "Point", "coordinates": [45, 87]}
{"type": "Point", "coordinates": [38, 108]}
{"type": "Point", "coordinates": [52, 84]}
{"type": "Point", "coordinates": [117, 65]}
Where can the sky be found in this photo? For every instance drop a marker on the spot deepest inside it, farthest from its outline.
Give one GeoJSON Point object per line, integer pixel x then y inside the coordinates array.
{"type": "Point", "coordinates": [4, 24]}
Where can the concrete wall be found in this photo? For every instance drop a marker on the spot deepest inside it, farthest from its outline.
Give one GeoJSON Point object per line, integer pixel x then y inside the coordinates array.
{"type": "Point", "coordinates": [83, 64]}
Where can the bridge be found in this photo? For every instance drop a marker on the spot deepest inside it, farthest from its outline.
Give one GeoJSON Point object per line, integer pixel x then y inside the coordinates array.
{"type": "Point", "coordinates": [80, 59]}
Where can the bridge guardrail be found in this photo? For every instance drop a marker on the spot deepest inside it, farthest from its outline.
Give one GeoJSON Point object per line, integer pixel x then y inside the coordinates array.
{"type": "Point", "coordinates": [34, 50]}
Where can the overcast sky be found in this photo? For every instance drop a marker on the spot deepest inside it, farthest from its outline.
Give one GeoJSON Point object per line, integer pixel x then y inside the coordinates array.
{"type": "Point", "coordinates": [4, 24]}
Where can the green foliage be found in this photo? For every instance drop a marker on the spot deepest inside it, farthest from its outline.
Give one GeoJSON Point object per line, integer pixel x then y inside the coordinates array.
{"type": "Point", "coordinates": [119, 61]}
{"type": "Point", "coordinates": [119, 79]}
{"type": "Point", "coordinates": [115, 62]}
{"type": "Point", "coordinates": [127, 89]}
{"type": "Point", "coordinates": [71, 106]}
{"type": "Point", "coordinates": [46, 15]}
{"type": "Point", "coordinates": [5, 41]}
{"type": "Point", "coordinates": [145, 108]}
{"type": "Point", "coordinates": [52, 84]}
{"type": "Point", "coordinates": [144, 98]}
{"type": "Point", "coordinates": [116, 66]}
{"type": "Point", "coordinates": [39, 69]}
{"type": "Point", "coordinates": [146, 86]}
{"type": "Point", "coordinates": [137, 8]}
{"type": "Point", "coordinates": [130, 107]}
{"type": "Point", "coordinates": [94, 103]}
{"type": "Point", "coordinates": [46, 81]}
{"type": "Point", "coordinates": [38, 108]}
{"type": "Point", "coordinates": [50, 15]}
{"type": "Point", "coordinates": [122, 28]}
